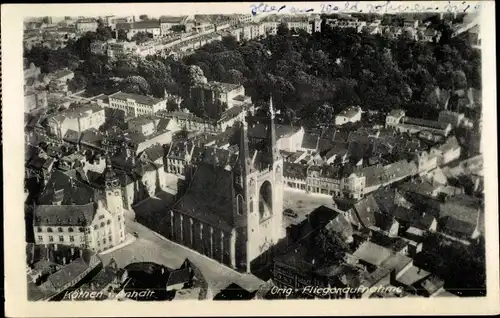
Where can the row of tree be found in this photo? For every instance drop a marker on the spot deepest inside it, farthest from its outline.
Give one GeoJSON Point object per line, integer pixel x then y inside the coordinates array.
{"type": "Point", "coordinates": [335, 68]}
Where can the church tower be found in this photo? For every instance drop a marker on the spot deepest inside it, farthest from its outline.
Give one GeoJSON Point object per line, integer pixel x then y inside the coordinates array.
{"type": "Point", "coordinates": [258, 192]}
{"type": "Point", "coordinates": [113, 190]}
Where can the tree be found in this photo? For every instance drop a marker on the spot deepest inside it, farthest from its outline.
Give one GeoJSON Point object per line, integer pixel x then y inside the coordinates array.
{"type": "Point", "coordinates": [121, 35]}
{"type": "Point", "coordinates": [234, 76]}
{"type": "Point", "coordinates": [136, 85]}
{"type": "Point", "coordinates": [142, 37]}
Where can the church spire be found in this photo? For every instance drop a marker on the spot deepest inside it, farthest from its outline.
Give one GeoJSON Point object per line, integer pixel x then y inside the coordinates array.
{"type": "Point", "coordinates": [272, 132]}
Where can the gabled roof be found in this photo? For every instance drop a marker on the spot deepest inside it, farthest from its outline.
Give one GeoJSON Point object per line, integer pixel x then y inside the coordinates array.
{"type": "Point", "coordinates": [155, 152]}
{"type": "Point", "coordinates": [372, 253]}
{"type": "Point", "coordinates": [68, 273]}
{"type": "Point", "coordinates": [179, 276]}
{"type": "Point", "coordinates": [365, 210]}
{"type": "Point", "coordinates": [310, 141]}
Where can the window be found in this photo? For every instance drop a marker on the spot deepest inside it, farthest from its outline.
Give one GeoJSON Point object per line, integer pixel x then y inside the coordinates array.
{"type": "Point", "coordinates": [61, 238]}
{"type": "Point", "coordinates": [51, 238]}
{"type": "Point", "coordinates": [82, 238]}
{"type": "Point", "coordinates": [95, 227]}
{"type": "Point", "coordinates": [81, 229]}
{"type": "Point", "coordinates": [70, 229]}
{"type": "Point", "coordinates": [71, 238]}
{"type": "Point", "coordinates": [110, 239]}
{"type": "Point", "coordinates": [39, 229]}
{"type": "Point", "coordinates": [108, 222]}
{"type": "Point", "coordinates": [40, 238]}
{"type": "Point", "coordinates": [59, 229]}
{"type": "Point", "coordinates": [98, 243]}
{"type": "Point", "coordinates": [49, 229]}
{"type": "Point", "coordinates": [104, 241]}
{"type": "Point", "coordinates": [101, 217]}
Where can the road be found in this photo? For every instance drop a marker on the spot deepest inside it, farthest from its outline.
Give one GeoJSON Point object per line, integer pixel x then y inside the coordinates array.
{"type": "Point", "coordinates": [153, 248]}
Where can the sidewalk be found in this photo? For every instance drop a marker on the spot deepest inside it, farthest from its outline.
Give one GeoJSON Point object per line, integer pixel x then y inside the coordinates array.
{"type": "Point", "coordinates": [129, 240]}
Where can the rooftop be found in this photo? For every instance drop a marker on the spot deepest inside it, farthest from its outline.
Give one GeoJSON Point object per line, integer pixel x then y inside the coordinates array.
{"type": "Point", "coordinates": [372, 253]}
{"type": "Point", "coordinates": [138, 98]}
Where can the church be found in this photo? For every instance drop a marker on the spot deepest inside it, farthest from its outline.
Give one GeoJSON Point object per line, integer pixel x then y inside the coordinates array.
{"type": "Point", "coordinates": [232, 208]}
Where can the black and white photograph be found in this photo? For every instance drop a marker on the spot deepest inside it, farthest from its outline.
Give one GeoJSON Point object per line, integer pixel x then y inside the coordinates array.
{"type": "Point", "coordinates": [284, 151]}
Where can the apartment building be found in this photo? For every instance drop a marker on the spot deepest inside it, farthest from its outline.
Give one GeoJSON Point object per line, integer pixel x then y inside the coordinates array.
{"type": "Point", "coordinates": [86, 25]}
{"type": "Point", "coordinates": [135, 105]}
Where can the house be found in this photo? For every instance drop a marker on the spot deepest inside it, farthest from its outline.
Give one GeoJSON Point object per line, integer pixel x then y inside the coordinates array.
{"type": "Point", "coordinates": [121, 48]}
{"type": "Point", "coordinates": [148, 26]}
{"type": "Point", "coordinates": [350, 115]}
{"type": "Point", "coordinates": [447, 152]}
{"type": "Point", "coordinates": [212, 95]}
{"type": "Point", "coordinates": [62, 75]}
{"type": "Point", "coordinates": [72, 213]}
{"type": "Point", "coordinates": [77, 119]}
{"type": "Point", "coordinates": [309, 143]}
{"type": "Point", "coordinates": [451, 117]}
{"type": "Point", "coordinates": [371, 254]}
{"type": "Point", "coordinates": [289, 138]}
{"type": "Point", "coordinates": [168, 22]}
{"type": "Point", "coordinates": [234, 292]}
{"type": "Point", "coordinates": [462, 215]}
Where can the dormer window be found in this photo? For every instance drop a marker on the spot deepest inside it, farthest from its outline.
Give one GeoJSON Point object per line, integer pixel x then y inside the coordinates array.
{"type": "Point", "coordinates": [49, 229]}
{"type": "Point", "coordinates": [59, 229]}
{"type": "Point", "coordinates": [39, 229]}
{"type": "Point", "coordinates": [70, 229]}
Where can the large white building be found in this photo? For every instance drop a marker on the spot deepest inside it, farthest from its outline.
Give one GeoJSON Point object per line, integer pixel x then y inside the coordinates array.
{"type": "Point", "coordinates": [149, 26]}
{"type": "Point", "coordinates": [79, 119]}
{"type": "Point", "coordinates": [86, 25]}
{"type": "Point", "coordinates": [75, 214]}
{"type": "Point", "coordinates": [350, 115]}
{"type": "Point", "coordinates": [135, 105]}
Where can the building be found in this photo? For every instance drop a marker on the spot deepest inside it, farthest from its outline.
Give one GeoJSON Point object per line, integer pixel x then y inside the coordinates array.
{"type": "Point", "coordinates": [232, 211]}
{"type": "Point", "coordinates": [86, 25]}
{"type": "Point", "coordinates": [35, 100]}
{"type": "Point", "coordinates": [76, 119]}
{"type": "Point", "coordinates": [30, 70]}
{"type": "Point", "coordinates": [62, 75]}
{"type": "Point", "coordinates": [289, 138]}
{"type": "Point", "coordinates": [74, 214]}
{"type": "Point", "coordinates": [346, 22]}
{"type": "Point", "coordinates": [446, 152]}
{"type": "Point", "coordinates": [99, 47]}
{"type": "Point", "coordinates": [167, 22]}
{"type": "Point", "coordinates": [213, 95]}
{"type": "Point", "coordinates": [450, 117]}
{"type": "Point", "coordinates": [117, 48]}
{"type": "Point", "coordinates": [350, 115]}
{"type": "Point", "coordinates": [149, 26]}
{"type": "Point", "coordinates": [397, 120]}
{"type": "Point", "coordinates": [135, 105]}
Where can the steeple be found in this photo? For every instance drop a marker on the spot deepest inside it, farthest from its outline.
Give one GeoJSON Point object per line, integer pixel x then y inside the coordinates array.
{"type": "Point", "coordinates": [271, 130]}
{"type": "Point", "coordinates": [244, 149]}
{"type": "Point", "coordinates": [110, 177]}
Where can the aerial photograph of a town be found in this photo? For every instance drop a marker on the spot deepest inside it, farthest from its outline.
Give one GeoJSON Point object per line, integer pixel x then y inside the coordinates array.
{"type": "Point", "coordinates": [267, 155]}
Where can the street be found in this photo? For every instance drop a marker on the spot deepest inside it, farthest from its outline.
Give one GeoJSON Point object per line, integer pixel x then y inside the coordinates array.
{"type": "Point", "coordinates": [150, 247]}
